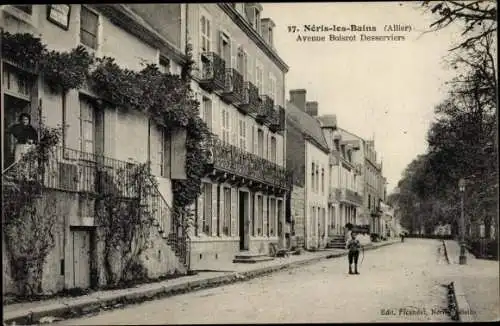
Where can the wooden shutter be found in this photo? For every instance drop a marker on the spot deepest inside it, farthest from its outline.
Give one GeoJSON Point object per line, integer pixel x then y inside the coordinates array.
{"type": "Point", "coordinates": [167, 154]}
{"type": "Point", "coordinates": [178, 150]}
{"type": "Point", "coordinates": [213, 224]}
{"type": "Point", "coordinates": [99, 131]}
{"type": "Point", "coordinates": [200, 210]}
{"type": "Point", "coordinates": [265, 217]}
{"type": "Point", "coordinates": [234, 212]}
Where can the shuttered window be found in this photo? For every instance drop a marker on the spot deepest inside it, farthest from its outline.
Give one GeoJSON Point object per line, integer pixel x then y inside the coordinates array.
{"type": "Point", "coordinates": [89, 21]}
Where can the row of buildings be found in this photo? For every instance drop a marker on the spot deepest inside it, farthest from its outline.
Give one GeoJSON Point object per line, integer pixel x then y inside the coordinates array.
{"type": "Point", "coordinates": [280, 173]}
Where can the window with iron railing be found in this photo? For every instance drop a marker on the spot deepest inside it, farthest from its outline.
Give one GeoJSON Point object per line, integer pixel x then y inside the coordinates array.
{"type": "Point", "coordinates": [226, 125]}
{"type": "Point", "coordinates": [87, 125]}
{"type": "Point", "coordinates": [243, 134]}
{"type": "Point", "coordinates": [273, 157]}
{"type": "Point", "coordinates": [89, 22]}
{"type": "Point", "coordinates": [205, 34]}
{"type": "Point", "coordinates": [207, 111]}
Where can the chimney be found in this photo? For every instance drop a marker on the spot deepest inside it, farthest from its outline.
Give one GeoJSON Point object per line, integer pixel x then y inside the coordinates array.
{"type": "Point", "coordinates": [312, 108]}
{"type": "Point", "coordinates": [298, 98]}
{"type": "Point", "coordinates": [267, 26]}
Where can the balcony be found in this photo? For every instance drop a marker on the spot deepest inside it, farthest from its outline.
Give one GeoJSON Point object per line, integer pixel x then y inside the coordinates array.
{"type": "Point", "coordinates": [232, 164]}
{"type": "Point", "coordinates": [265, 109]}
{"type": "Point", "coordinates": [233, 90]}
{"type": "Point", "coordinates": [375, 212]}
{"type": "Point", "coordinates": [277, 123]}
{"type": "Point", "coordinates": [250, 98]}
{"type": "Point", "coordinates": [351, 197]}
{"type": "Point", "coordinates": [334, 195]}
{"type": "Point", "coordinates": [213, 72]}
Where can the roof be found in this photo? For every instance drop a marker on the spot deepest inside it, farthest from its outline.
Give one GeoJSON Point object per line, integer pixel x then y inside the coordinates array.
{"type": "Point", "coordinates": [308, 125]}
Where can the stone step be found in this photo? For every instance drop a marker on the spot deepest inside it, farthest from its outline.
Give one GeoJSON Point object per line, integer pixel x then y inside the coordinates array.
{"type": "Point", "coordinates": [252, 260]}
{"type": "Point", "coordinates": [248, 255]}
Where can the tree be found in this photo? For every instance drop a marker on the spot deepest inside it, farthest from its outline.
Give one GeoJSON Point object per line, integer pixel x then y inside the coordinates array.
{"type": "Point", "coordinates": [478, 18]}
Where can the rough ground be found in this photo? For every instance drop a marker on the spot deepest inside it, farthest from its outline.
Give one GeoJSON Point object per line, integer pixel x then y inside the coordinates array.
{"type": "Point", "coordinates": [403, 280]}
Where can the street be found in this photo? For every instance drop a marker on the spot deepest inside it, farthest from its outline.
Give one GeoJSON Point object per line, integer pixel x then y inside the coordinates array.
{"type": "Point", "coordinates": [401, 282]}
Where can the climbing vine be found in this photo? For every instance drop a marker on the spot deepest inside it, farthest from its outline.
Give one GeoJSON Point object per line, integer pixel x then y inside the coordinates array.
{"type": "Point", "coordinates": [165, 98]}
{"type": "Point", "coordinates": [30, 223]}
{"type": "Point", "coordinates": [126, 218]}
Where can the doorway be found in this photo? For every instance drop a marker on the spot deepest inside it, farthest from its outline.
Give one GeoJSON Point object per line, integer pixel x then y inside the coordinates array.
{"type": "Point", "coordinates": [13, 107]}
{"type": "Point", "coordinates": [81, 239]}
{"type": "Point", "coordinates": [244, 221]}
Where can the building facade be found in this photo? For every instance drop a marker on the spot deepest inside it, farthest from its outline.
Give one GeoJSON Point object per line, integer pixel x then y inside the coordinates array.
{"type": "Point", "coordinates": [93, 133]}
{"type": "Point", "coordinates": [308, 160]}
{"type": "Point", "coordinates": [345, 199]}
{"type": "Point", "coordinates": [239, 79]}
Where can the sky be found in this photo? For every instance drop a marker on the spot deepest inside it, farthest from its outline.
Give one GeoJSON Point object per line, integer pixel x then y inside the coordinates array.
{"type": "Point", "coordinates": [381, 89]}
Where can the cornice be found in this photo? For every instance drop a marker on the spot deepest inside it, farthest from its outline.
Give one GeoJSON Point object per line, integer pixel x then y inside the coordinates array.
{"type": "Point", "coordinates": [125, 18]}
{"type": "Point", "coordinates": [252, 33]}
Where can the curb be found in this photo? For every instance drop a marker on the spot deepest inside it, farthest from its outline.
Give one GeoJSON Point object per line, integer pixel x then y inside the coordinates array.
{"type": "Point", "coordinates": [110, 301]}
{"type": "Point", "coordinates": [459, 307]}
{"type": "Point", "coordinates": [445, 252]}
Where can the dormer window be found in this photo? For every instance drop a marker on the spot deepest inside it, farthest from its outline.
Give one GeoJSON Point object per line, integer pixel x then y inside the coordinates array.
{"type": "Point", "coordinates": [253, 11]}
{"type": "Point", "coordinates": [337, 144]}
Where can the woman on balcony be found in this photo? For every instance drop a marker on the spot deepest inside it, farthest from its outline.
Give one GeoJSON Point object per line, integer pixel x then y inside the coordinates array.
{"type": "Point", "coordinates": [25, 136]}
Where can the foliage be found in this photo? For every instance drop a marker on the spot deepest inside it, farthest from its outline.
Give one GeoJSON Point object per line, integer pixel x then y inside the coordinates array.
{"type": "Point", "coordinates": [61, 70]}
{"type": "Point", "coordinates": [477, 18]}
{"type": "Point", "coordinates": [125, 219]}
{"type": "Point", "coordinates": [461, 140]}
{"type": "Point", "coordinates": [55, 68]}
{"type": "Point", "coordinates": [22, 48]}
{"type": "Point", "coordinates": [30, 223]}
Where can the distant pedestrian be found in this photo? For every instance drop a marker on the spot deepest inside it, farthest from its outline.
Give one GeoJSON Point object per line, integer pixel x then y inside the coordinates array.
{"type": "Point", "coordinates": [353, 245]}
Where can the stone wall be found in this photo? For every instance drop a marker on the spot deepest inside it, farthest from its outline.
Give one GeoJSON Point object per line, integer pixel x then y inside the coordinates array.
{"type": "Point", "coordinates": [298, 213]}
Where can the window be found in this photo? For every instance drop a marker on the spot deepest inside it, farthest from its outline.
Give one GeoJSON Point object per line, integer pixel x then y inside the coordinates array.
{"type": "Point", "coordinates": [242, 63]}
{"type": "Point", "coordinates": [207, 111]}
{"type": "Point", "coordinates": [260, 142]}
{"type": "Point", "coordinates": [88, 27]}
{"type": "Point", "coordinates": [259, 76]}
{"type": "Point", "coordinates": [17, 83]}
{"type": "Point", "coordinates": [226, 226]}
{"type": "Point", "coordinates": [161, 156]}
{"type": "Point", "coordinates": [272, 88]}
{"type": "Point", "coordinates": [273, 158]}
{"type": "Point", "coordinates": [26, 8]}
{"type": "Point", "coordinates": [369, 201]}
{"type": "Point", "coordinates": [160, 160]}
{"type": "Point", "coordinates": [87, 124]}
{"type": "Point", "coordinates": [226, 126]}
{"type": "Point", "coordinates": [206, 34]}
{"type": "Point", "coordinates": [270, 34]}
{"type": "Point", "coordinates": [260, 214]}
{"type": "Point", "coordinates": [243, 136]}
{"type": "Point", "coordinates": [225, 48]}
{"type": "Point", "coordinates": [164, 65]}
{"type": "Point", "coordinates": [207, 209]}
{"type": "Point", "coordinates": [272, 217]}
{"type": "Point", "coordinates": [323, 181]}
{"type": "Point", "coordinates": [317, 177]}
{"type": "Point", "coordinates": [256, 22]}
{"type": "Point", "coordinates": [312, 177]}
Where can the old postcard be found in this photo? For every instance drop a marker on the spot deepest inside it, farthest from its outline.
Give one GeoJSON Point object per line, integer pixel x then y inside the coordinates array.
{"type": "Point", "coordinates": [234, 162]}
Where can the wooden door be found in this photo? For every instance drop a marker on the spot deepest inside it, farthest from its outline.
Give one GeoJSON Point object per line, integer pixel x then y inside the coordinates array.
{"type": "Point", "coordinates": [81, 258]}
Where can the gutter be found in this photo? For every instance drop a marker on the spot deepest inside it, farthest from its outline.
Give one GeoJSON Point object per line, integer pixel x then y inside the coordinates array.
{"type": "Point", "coordinates": [245, 26]}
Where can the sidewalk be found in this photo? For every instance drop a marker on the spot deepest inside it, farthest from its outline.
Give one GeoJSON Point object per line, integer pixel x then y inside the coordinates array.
{"type": "Point", "coordinates": [476, 285]}
{"type": "Point", "coordinates": [32, 312]}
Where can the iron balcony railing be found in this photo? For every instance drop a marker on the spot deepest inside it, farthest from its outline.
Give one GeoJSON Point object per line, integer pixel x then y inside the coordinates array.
{"type": "Point", "coordinates": [266, 109]}
{"type": "Point", "coordinates": [233, 89]}
{"type": "Point", "coordinates": [277, 120]}
{"type": "Point", "coordinates": [334, 195]}
{"type": "Point", "coordinates": [229, 158]}
{"type": "Point", "coordinates": [251, 100]}
{"type": "Point", "coordinates": [72, 170]}
{"type": "Point", "coordinates": [351, 196]}
{"type": "Point", "coordinates": [213, 72]}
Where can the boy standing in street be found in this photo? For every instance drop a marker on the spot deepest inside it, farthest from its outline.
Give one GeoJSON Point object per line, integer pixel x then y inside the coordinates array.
{"type": "Point", "coordinates": [353, 245]}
